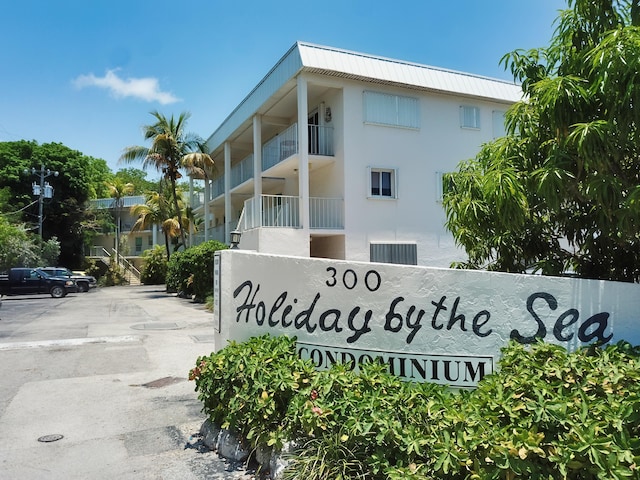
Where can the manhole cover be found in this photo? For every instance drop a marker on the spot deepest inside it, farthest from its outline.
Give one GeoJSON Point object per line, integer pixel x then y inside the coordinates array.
{"type": "Point", "coordinates": [50, 438]}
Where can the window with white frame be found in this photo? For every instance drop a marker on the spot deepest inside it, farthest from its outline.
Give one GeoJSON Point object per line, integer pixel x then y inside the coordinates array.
{"type": "Point", "coordinates": [383, 182]}
{"type": "Point", "coordinates": [499, 128]}
{"type": "Point", "coordinates": [469, 117]}
{"type": "Point", "coordinates": [398, 253]}
{"type": "Point", "coordinates": [391, 110]}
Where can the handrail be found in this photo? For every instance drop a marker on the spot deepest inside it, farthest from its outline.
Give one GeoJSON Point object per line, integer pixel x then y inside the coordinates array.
{"type": "Point", "coordinates": [126, 264]}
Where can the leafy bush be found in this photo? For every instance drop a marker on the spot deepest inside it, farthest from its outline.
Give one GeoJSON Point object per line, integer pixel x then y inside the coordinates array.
{"type": "Point", "coordinates": [553, 414]}
{"type": "Point", "coordinates": [545, 414]}
{"type": "Point", "coordinates": [191, 272]}
{"type": "Point", "coordinates": [96, 269]}
{"type": "Point", "coordinates": [114, 275]}
{"type": "Point", "coordinates": [375, 417]}
{"type": "Point", "coordinates": [248, 387]}
{"type": "Point", "coordinates": [18, 248]}
{"type": "Point", "coordinates": [154, 268]}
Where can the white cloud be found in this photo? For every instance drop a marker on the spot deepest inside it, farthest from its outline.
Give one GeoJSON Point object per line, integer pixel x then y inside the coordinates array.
{"type": "Point", "coordinates": [147, 89]}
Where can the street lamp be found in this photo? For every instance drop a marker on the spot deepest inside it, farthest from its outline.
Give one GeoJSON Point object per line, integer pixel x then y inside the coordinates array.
{"type": "Point", "coordinates": [42, 190]}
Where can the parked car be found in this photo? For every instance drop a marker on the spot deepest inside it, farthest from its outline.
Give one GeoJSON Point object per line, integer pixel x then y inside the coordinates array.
{"type": "Point", "coordinates": [20, 281]}
{"type": "Point", "coordinates": [84, 282]}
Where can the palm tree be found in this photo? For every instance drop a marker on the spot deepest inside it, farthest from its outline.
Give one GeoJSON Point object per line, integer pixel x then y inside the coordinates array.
{"type": "Point", "coordinates": [118, 189]}
{"type": "Point", "coordinates": [169, 145]}
{"type": "Point", "coordinates": [200, 166]}
{"type": "Point", "coordinates": [156, 211]}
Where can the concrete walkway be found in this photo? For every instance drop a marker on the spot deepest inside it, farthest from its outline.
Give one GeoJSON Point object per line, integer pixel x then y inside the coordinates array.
{"type": "Point", "coordinates": [107, 370]}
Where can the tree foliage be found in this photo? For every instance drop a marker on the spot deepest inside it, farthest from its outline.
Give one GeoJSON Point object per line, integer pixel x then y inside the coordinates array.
{"type": "Point", "coordinates": [170, 143]}
{"type": "Point", "coordinates": [19, 249]}
{"type": "Point", "coordinates": [189, 273]}
{"type": "Point", "coordinates": [561, 192]}
{"type": "Point", "coordinates": [80, 178]}
{"type": "Point", "coordinates": [137, 178]}
{"type": "Point", "coordinates": [157, 211]}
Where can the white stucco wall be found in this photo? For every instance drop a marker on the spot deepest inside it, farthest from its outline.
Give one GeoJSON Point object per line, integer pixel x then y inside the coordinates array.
{"type": "Point", "coordinates": [428, 324]}
{"type": "Point", "coordinates": [417, 154]}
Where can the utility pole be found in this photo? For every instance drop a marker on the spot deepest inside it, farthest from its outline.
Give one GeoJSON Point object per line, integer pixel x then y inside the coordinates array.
{"type": "Point", "coordinates": [42, 190]}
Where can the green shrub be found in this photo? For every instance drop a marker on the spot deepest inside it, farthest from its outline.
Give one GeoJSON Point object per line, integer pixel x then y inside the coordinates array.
{"type": "Point", "coordinates": [377, 418]}
{"type": "Point", "coordinates": [154, 267]}
{"type": "Point", "coordinates": [545, 414]}
{"type": "Point", "coordinates": [113, 275]}
{"type": "Point", "coordinates": [190, 273]}
{"type": "Point", "coordinates": [248, 387]}
{"type": "Point", "coordinates": [96, 269]}
{"type": "Point", "coordinates": [553, 414]}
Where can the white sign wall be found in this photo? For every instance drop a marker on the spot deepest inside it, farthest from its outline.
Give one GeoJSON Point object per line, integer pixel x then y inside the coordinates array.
{"type": "Point", "coordinates": [428, 324]}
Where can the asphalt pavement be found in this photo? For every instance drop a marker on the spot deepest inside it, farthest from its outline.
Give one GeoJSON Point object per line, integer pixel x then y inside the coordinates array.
{"type": "Point", "coordinates": [94, 386]}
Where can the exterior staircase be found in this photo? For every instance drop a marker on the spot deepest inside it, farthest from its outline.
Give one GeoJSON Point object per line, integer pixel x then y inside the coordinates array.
{"type": "Point", "coordinates": [131, 273]}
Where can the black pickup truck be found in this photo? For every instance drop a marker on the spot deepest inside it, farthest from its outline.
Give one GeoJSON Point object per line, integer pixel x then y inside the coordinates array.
{"type": "Point", "coordinates": [19, 281]}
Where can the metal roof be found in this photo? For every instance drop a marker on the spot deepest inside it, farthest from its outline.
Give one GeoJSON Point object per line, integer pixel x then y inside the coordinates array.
{"type": "Point", "coordinates": [343, 63]}
{"type": "Point", "coordinates": [359, 66]}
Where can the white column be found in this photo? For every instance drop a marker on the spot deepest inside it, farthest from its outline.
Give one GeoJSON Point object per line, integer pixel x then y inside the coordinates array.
{"type": "Point", "coordinates": [191, 205]}
{"type": "Point", "coordinates": [227, 192]}
{"type": "Point", "coordinates": [257, 156]}
{"type": "Point", "coordinates": [303, 152]}
{"type": "Point", "coordinates": [257, 166]}
{"type": "Point", "coordinates": [207, 194]}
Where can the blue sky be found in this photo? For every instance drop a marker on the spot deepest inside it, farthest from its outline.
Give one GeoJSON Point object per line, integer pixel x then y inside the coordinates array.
{"type": "Point", "coordinates": [86, 73]}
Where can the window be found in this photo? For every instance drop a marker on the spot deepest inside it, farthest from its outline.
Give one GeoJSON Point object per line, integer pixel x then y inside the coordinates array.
{"type": "Point", "coordinates": [399, 253]}
{"type": "Point", "coordinates": [392, 110]}
{"type": "Point", "coordinates": [382, 183]}
{"type": "Point", "coordinates": [469, 117]}
{"type": "Point", "coordinates": [499, 129]}
{"type": "Point", "coordinates": [138, 244]}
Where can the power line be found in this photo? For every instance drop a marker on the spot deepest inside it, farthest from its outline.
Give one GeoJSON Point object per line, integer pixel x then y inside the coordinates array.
{"type": "Point", "coordinates": [23, 208]}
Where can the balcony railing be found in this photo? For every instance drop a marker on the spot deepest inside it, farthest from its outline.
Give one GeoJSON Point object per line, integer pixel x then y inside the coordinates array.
{"type": "Point", "coordinates": [320, 140]}
{"type": "Point", "coordinates": [271, 211]}
{"type": "Point", "coordinates": [326, 213]}
{"type": "Point", "coordinates": [126, 202]}
{"type": "Point", "coordinates": [217, 187]}
{"type": "Point", "coordinates": [215, 233]}
{"type": "Point", "coordinates": [197, 199]}
{"type": "Point", "coordinates": [280, 147]}
{"type": "Point", "coordinates": [284, 211]}
{"type": "Point", "coordinates": [243, 171]}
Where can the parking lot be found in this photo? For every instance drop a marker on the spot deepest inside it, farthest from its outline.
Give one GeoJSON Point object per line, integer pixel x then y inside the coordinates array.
{"type": "Point", "coordinates": [106, 372]}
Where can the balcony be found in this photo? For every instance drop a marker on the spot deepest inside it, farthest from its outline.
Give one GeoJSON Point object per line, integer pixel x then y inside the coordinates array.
{"type": "Point", "coordinates": [126, 202]}
{"type": "Point", "coordinates": [214, 233]}
{"type": "Point", "coordinates": [284, 211]}
{"type": "Point", "coordinates": [241, 172]}
{"type": "Point", "coordinates": [217, 187]}
{"type": "Point", "coordinates": [285, 144]}
{"type": "Point", "coordinates": [279, 148]}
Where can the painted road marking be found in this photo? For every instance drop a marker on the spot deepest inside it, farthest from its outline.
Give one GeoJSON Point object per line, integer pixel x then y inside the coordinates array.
{"type": "Point", "coordinates": [70, 342]}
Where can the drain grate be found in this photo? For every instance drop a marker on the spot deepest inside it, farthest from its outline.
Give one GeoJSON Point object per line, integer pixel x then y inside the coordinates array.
{"type": "Point", "coordinates": [163, 382]}
{"type": "Point", "coordinates": [203, 338]}
{"type": "Point", "coordinates": [50, 438]}
{"type": "Point", "coordinates": [158, 326]}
